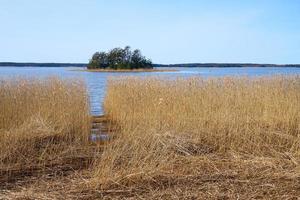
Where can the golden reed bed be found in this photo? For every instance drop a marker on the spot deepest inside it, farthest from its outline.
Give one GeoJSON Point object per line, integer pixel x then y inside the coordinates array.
{"type": "Point", "coordinates": [203, 138]}
{"type": "Point", "coordinates": [193, 138]}
{"type": "Point", "coordinates": [42, 122]}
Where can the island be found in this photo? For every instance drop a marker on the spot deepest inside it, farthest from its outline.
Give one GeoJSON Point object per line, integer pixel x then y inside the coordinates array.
{"type": "Point", "coordinates": [120, 59]}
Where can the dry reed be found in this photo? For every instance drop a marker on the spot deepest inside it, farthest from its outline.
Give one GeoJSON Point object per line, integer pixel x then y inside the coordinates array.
{"type": "Point", "coordinates": [42, 122]}
{"type": "Point", "coordinates": [214, 137]}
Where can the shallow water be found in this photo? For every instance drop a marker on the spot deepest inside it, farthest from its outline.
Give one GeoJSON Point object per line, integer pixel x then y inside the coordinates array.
{"type": "Point", "coordinates": [96, 82]}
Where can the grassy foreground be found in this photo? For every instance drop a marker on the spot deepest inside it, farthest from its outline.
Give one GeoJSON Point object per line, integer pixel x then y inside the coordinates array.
{"type": "Point", "coordinates": [217, 138]}
{"type": "Point", "coordinates": [43, 123]}
{"type": "Point", "coordinates": [228, 138]}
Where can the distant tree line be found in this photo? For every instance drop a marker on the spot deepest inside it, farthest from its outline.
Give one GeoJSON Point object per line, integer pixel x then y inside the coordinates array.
{"type": "Point", "coordinates": [119, 58]}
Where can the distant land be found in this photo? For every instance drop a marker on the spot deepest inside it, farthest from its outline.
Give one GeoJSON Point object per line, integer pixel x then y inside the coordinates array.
{"type": "Point", "coordinates": [29, 64]}
{"type": "Point", "coordinates": [188, 65]}
{"type": "Point", "coordinates": [227, 65]}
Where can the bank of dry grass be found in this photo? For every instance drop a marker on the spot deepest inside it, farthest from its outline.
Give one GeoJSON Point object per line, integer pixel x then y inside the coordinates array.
{"type": "Point", "coordinates": [43, 123]}
{"type": "Point", "coordinates": [202, 138]}
{"type": "Point", "coordinates": [216, 138]}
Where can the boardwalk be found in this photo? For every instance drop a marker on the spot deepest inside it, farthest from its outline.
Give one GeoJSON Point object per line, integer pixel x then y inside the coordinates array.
{"type": "Point", "coordinates": [101, 129]}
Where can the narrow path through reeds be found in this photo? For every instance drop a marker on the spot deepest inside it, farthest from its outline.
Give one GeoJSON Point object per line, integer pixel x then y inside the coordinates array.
{"type": "Point", "coordinates": [101, 129]}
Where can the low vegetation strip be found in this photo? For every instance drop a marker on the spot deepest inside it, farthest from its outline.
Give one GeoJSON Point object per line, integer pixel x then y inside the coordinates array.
{"type": "Point", "coordinates": [128, 70]}
{"type": "Point", "coordinates": [202, 138]}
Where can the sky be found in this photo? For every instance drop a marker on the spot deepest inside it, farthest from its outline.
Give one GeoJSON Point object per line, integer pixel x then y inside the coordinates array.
{"type": "Point", "coordinates": [167, 31]}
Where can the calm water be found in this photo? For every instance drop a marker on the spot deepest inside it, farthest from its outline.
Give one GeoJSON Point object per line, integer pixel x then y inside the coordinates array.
{"type": "Point", "coordinates": [96, 82]}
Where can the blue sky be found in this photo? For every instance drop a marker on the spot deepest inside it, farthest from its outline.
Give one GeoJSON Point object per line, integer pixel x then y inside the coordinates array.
{"type": "Point", "coordinates": [177, 31]}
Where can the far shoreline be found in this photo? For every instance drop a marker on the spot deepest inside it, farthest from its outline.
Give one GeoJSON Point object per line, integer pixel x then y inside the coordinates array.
{"type": "Point", "coordinates": [181, 65]}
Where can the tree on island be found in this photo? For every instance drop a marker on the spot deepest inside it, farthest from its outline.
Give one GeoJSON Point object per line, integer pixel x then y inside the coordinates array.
{"type": "Point", "coordinates": [119, 58]}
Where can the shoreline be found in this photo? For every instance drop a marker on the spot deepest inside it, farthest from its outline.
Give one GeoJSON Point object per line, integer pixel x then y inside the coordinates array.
{"type": "Point", "coordinates": [126, 70]}
{"type": "Point", "coordinates": [185, 65]}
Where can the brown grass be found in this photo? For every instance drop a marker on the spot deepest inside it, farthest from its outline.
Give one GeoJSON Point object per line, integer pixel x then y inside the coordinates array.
{"type": "Point", "coordinates": [202, 138]}
{"type": "Point", "coordinates": [216, 138]}
{"type": "Point", "coordinates": [42, 123]}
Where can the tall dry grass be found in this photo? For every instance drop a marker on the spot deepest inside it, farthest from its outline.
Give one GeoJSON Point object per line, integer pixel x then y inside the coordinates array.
{"type": "Point", "coordinates": [196, 130]}
{"type": "Point", "coordinates": [42, 121]}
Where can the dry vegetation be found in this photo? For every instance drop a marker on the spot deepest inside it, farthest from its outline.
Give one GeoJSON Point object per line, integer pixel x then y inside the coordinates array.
{"type": "Point", "coordinates": [43, 123]}
{"type": "Point", "coordinates": [236, 138]}
{"type": "Point", "coordinates": [216, 138]}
